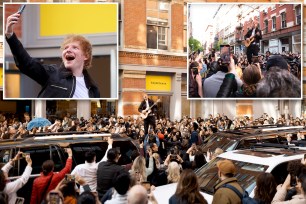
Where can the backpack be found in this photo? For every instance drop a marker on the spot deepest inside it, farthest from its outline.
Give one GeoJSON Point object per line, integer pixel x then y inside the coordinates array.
{"type": "Point", "coordinates": [245, 199]}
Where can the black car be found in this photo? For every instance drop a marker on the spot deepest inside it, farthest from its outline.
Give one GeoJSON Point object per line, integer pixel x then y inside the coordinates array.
{"type": "Point", "coordinates": [46, 148]}
{"type": "Point", "coordinates": [246, 138]}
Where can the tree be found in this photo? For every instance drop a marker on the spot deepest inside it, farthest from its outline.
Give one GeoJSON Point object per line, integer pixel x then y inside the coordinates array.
{"type": "Point", "coordinates": [194, 44]}
{"type": "Point", "coordinates": [220, 42]}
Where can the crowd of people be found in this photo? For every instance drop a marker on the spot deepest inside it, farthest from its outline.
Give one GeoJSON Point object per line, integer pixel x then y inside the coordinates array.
{"type": "Point", "coordinates": [13, 126]}
{"type": "Point", "coordinates": [170, 153]}
{"type": "Point", "coordinates": [268, 76]}
{"type": "Point", "coordinates": [245, 75]}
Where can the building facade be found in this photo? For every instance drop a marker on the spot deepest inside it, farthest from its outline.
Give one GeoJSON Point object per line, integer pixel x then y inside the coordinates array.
{"type": "Point", "coordinates": [281, 27]}
{"type": "Point", "coordinates": [153, 59]}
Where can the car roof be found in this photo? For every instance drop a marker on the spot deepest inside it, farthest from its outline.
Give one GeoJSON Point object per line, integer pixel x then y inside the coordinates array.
{"type": "Point", "coordinates": [265, 156]}
{"type": "Point", "coordinates": [60, 140]}
{"type": "Point", "coordinates": [260, 131]}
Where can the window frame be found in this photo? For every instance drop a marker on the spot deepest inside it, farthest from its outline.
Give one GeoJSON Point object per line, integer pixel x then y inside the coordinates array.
{"type": "Point", "coordinates": [274, 23]}
{"type": "Point", "coordinates": [158, 25]}
{"type": "Point", "coordinates": [283, 20]}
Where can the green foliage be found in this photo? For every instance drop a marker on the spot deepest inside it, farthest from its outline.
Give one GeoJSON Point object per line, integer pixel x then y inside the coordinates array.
{"type": "Point", "coordinates": [194, 44]}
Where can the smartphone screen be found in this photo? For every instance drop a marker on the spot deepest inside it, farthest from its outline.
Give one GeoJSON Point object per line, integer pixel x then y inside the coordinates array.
{"type": "Point", "coordinates": [225, 53]}
{"type": "Point", "coordinates": [54, 198]}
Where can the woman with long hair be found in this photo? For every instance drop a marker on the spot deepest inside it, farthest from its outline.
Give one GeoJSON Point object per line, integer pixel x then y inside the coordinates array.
{"type": "Point", "coordinates": [139, 170]}
{"type": "Point", "coordinates": [173, 172]}
{"type": "Point", "coordinates": [188, 190]}
{"type": "Point", "coordinates": [265, 188]}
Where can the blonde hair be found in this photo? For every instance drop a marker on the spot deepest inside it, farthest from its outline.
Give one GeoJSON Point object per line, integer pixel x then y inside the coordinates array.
{"type": "Point", "coordinates": [85, 46]}
{"type": "Point", "coordinates": [139, 165]}
{"type": "Point", "coordinates": [173, 172]}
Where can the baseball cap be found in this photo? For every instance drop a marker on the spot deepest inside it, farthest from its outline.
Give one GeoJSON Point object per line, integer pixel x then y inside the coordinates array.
{"type": "Point", "coordinates": [277, 60]}
{"type": "Point", "coordinates": [226, 167]}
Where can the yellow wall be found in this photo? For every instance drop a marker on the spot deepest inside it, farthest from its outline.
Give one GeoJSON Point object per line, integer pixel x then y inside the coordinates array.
{"type": "Point", "coordinates": [62, 19]}
{"type": "Point", "coordinates": [158, 83]}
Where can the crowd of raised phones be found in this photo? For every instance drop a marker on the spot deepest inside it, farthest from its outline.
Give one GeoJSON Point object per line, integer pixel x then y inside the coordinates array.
{"type": "Point", "coordinates": [276, 75]}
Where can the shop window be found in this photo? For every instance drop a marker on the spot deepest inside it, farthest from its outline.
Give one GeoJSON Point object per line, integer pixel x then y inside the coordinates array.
{"type": "Point", "coordinates": [157, 24]}
{"type": "Point", "coordinates": [273, 23]}
{"type": "Point", "coordinates": [283, 18]}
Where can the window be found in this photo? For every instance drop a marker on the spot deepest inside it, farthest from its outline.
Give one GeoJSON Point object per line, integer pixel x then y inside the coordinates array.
{"type": "Point", "coordinates": [266, 26]}
{"type": "Point", "coordinates": [273, 23]}
{"type": "Point", "coordinates": [298, 14]}
{"type": "Point", "coordinates": [157, 24]}
{"type": "Point", "coordinates": [283, 17]}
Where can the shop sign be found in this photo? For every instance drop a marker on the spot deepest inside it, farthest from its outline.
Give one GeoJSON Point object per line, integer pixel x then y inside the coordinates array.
{"type": "Point", "coordinates": [158, 83]}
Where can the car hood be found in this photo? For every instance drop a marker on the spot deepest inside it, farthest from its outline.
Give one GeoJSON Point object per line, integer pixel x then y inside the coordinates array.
{"type": "Point", "coordinates": [163, 193]}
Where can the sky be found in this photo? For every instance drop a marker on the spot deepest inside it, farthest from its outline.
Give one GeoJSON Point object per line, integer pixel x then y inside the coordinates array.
{"type": "Point", "coordinates": [201, 15]}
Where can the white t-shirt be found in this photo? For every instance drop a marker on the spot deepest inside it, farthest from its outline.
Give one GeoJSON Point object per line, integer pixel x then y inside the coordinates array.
{"type": "Point", "coordinates": [81, 90]}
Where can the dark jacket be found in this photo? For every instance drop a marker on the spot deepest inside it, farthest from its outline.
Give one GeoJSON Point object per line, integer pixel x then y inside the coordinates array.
{"type": "Point", "coordinates": [143, 106]}
{"type": "Point", "coordinates": [177, 200]}
{"type": "Point", "coordinates": [56, 82]}
{"type": "Point", "coordinates": [257, 37]}
{"type": "Point", "coordinates": [105, 175]}
{"type": "Point", "coordinates": [194, 138]}
{"type": "Point", "coordinates": [225, 195]}
{"type": "Point", "coordinates": [229, 88]}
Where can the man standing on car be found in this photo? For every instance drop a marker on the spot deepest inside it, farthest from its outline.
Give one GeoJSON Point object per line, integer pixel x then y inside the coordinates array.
{"type": "Point", "coordinates": [226, 172]}
{"type": "Point", "coordinates": [144, 107]}
{"type": "Point", "coordinates": [70, 80]}
{"type": "Point", "coordinates": [254, 35]}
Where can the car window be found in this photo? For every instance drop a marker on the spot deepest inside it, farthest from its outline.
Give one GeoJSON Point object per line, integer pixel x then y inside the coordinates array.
{"type": "Point", "coordinates": [38, 156]}
{"type": "Point", "coordinates": [58, 159]}
{"type": "Point", "coordinates": [5, 156]}
{"type": "Point", "coordinates": [79, 150]}
{"type": "Point", "coordinates": [246, 175]}
{"type": "Point", "coordinates": [225, 143]}
{"type": "Point", "coordinates": [126, 148]}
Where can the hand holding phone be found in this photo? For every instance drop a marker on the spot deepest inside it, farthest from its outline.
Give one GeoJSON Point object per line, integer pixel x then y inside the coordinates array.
{"type": "Point", "coordinates": [21, 9]}
{"type": "Point", "coordinates": [225, 53]}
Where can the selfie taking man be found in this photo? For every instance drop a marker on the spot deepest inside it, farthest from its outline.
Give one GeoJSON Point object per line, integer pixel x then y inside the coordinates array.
{"type": "Point", "coordinates": [252, 39]}
{"type": "Point", "coordinates": [70, 79]}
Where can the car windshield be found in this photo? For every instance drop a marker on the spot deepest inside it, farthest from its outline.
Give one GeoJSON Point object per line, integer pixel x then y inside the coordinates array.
{"type": "Point", "coordinates": [246, 175]}
{"type": "Point", "coordinates": [225, 143]}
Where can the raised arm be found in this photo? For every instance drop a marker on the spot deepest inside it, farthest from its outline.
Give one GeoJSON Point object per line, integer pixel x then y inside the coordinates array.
{"type": "Point", "coordinates": [23, 60]}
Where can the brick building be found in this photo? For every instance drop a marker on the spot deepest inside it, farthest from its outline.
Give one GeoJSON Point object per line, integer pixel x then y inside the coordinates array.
{"type": "Point", "coordinates": [152, 58]}
{"type": "Point", "coordinates": [281, 27]}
